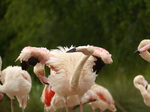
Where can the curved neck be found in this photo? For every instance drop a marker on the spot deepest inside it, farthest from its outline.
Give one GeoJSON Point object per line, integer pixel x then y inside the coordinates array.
{"type": "Point", "coordinates": [143, 48]}
{"type": "Point", "coordinates": [145, 55]}
{"type": "Point", "coordinates": [143, 91]}
{"type": "Point", "coordinates": [78, 70]}
{"type": "Point", "coordinates": [0, 64]}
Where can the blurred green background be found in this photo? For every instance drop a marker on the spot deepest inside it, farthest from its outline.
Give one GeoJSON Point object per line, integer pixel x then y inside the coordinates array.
{"type": "Point", "coordinates": [116, 25]}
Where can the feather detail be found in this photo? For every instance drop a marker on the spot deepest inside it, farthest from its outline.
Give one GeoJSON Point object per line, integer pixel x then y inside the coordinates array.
{"type": "Point", "coordinates": [48, 95]}
{"type": "Point", "coordinates": [101, 97]}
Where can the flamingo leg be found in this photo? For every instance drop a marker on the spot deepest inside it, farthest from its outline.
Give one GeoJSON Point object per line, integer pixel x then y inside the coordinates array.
{"type": "Point", "coordinates": [81, 107]}
{"type": "Point", "coordinates": [22, 105]}
{"type": "Point", "coordinates": [12, 107]}
{"type": "Point", "coordinates": [44, 108]}
{"type": "Point", "coordinates": [22, 110]}
{"type": "Point", "coordinates": [60, 109]}
{"type": "Point", "coordinates": [66, 105]}
{"type": "Point", "coordinates": [70, 109]}
{"type": "Point", "coordinates": [101, 110]}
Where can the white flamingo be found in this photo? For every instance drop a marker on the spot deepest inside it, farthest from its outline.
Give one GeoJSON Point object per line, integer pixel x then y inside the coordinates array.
{"type": "Point", "coordinates": [143, 48]}
{"type": "Point", "coordinates": [16, 82]}
{"type": "Point", "coordinates": [74, 73]}
{"type": "Point", "coordinates": [142, 85]}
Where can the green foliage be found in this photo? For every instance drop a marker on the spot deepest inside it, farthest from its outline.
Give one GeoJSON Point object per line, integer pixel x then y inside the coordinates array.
{"type": "Point", "coordinates": [117, 26]}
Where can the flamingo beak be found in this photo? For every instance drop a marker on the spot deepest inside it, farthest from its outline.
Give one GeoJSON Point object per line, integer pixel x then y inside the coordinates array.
{"type": "Point", "coordinates": [24, 65]}
{"type": "Point", "coordinates": [137, 52]}
{"type": "Point", "coordinates": [33, 61]}
{"type": "Point", "coordinates": [146, 87]}
{"type": "Point", "coordinates": [145, 83]}
{"type": "Point", "coordinates": [43, 80]}
{"type": "Point", "coordinates": [72, 50]}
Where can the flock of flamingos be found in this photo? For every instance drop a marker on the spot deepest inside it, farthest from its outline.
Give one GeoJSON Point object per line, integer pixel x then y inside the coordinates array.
{"type": "Point", "coordinates": [71, 82]}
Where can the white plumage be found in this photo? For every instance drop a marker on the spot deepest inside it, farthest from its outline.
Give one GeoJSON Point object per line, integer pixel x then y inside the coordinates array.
{"type": "Point", "coordinates": [71, 73]}
{"type": "Point", "coordinates": [142, 85]}
{"type": "Point", "coordinates": [104, 98]}
{"type": "Point", "coordinates": [16, 82]}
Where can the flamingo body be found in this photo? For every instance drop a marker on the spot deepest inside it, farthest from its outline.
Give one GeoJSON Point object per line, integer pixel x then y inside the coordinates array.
{"type": "Point", "coordinates": [71, 73]}
{"type": "Point", "coordinates": [16, 82]}
{"type": "Point", "coordinates": [142, 85]}
{"type": "Point", "coordinates": [103, 97]}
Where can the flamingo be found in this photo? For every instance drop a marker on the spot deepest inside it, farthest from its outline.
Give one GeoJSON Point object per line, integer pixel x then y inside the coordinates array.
{"type": "Point", "coordinates": [103, 97]}
{"type": "Point", "coordinates": [16, 82]}
{"type": "Point", "coordinates": [142, 85]}
{"type": "Point", "coordinates": [52, 101]}
{"type": "Point", "coordinates": [1, 95]}
{"type": "Point", "coordinates": [143, 49]}
{"type": "Point", "coordinates": [72, 71]}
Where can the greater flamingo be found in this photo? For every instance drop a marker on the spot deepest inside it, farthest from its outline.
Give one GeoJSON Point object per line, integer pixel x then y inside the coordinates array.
{"type": "Point", "coordinates": [83, 67]}
{"type": "Point", "coordinates": [52, 101]}
{"type": "Point", "coordinates": [143, 48]}
{"type": "Point", "coordinates": [104, 99]}
{"type": "Point", "coordinates": [16, 82]}
{"type": "Point", "coordinates": [142, 85]}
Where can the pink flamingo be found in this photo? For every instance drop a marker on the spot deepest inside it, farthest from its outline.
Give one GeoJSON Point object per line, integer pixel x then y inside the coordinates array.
{"type": "Point", "coordinates": [53, 101]}
{"type": "Point", "coordinates": [75, 69]}
{"type": "Point", "coordinates": [104, 99]}
{"type": "Point", "coordinates": [16, 82]}
{"type": "Point", "coordinates": [143, 49]}
{"type": "Point", "coordinates": [142, 85]}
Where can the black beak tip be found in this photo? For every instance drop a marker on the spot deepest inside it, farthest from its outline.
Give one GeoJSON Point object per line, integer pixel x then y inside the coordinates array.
{"type": "Point", "coordinates": [46, 83]}
{"type": "Point", "coordinates": [137, 52]}
{"type": "Point", "coordinates": [146, 87]}
{"type": "Point", "coordinates": [33, 61]}
{"type": "Point", "coordinates": [71, 50]}
{"type": "Point", "coordinates": [24, 65]}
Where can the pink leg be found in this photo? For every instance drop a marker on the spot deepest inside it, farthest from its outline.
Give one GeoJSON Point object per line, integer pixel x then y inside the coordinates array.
{"type": "Point", "coordinates": [60, 109]}
{"type": "Point", "coordinates": [94, 109]}
{"type": "Point", "coordinates": [70, 109]}
{"type": "Point", "coordinates": [81, 108]}
{"type": "Point", "coordinates": [101, 110]}
{"type": "Point", "coordinates": [12, 107]}
{"type": "Point", "coordinates": [66, 105]}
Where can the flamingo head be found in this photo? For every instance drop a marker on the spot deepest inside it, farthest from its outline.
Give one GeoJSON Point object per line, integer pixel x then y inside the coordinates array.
{"type": "Point", "coordinates": [103, 54]}
{"type": "Point", "coordinates": [31, 61]}
{"type": "Point", "coordinates": [112, 107]}
{"type": "Point", "coordinates": [140, 81]}
{"type": "Point", "coordinates": [39, 71]}
{"type": "Point", "coordinates": [143, 46]}
{"type": "Point", "coordinates": [87, 50]}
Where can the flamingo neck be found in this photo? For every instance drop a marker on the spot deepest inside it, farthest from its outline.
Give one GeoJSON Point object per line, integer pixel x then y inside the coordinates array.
{"type": "Point", "coordinates": [143, 91]}
{"type": "Point", "coordinates": [78, 70]}
{"type": "Point", "coordinates": [143, 47]}
{"type": "Point", "coordinates": [145, 55]}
